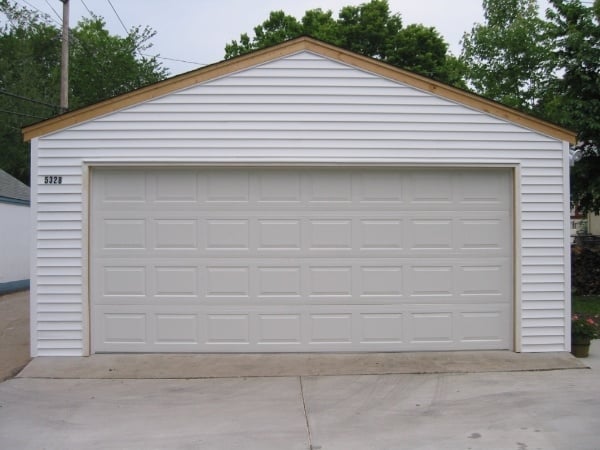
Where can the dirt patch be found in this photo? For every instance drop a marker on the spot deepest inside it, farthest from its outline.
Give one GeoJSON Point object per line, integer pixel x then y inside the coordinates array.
{"type": "Point", "coordinates": [14, 333]}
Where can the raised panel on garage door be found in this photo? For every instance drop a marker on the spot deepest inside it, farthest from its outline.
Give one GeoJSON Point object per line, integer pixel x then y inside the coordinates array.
{"type": "Point", "coordinates": [304, 259]}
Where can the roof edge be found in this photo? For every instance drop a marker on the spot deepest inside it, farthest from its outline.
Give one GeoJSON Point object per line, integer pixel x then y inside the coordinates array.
{"type": "Point", "coordinates": [248, 60]}
{"type": "Point", "coordinates": [14, 201]}
{"type": "Point", "coordinates": [449, 92]}
{"type": "Point", "coordinates": [161, 88]}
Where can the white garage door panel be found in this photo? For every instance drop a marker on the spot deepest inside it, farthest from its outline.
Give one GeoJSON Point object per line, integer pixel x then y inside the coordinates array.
{"type": "Point", "coordinates": [301, 260]}
{"type": "Point", "coordinates": [317, 281]}
{"type": "Point", "coordinates": [296, 328]}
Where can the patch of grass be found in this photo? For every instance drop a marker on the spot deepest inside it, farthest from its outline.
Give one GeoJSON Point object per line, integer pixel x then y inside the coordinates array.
{"type": "Point", "coordinates": [586, 304]}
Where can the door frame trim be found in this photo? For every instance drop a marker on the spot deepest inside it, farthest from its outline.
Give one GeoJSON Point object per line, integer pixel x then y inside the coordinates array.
{"type": "Point", "coordinates": [90, 165]}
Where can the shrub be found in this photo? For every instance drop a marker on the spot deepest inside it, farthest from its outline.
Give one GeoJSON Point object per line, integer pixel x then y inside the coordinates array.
{"type": "Point", "coordinates": [585, 270]}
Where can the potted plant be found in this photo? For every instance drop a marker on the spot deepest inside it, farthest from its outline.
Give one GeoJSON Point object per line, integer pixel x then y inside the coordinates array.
{"type": "Point", "coordinates": [584, 328]}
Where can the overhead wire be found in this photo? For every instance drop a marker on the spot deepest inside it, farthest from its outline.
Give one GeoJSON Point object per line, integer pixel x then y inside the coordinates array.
{"type": "Point", "coordinates": [145, 54]}
{"type": "Point", "coordinates": [52, 8]}
{"type": "Point", "coordinates": [50, 17]}
{"type": "Point", "coordinates": [22, 114]}
{"type": "Point", "coordinates": [28, 99]}
{"type": "Point", "coordinates": [44, 14]}
{"type": "Point", "coordinates": [88, 9]}
{"type": "Point", "coordinates": [118, 17]}
{"type": "Point", "coordinates": [174, 59]}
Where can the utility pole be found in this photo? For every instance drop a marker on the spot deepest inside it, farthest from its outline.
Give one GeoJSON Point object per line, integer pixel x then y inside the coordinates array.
{"type": "Point", "coordinates": [64, 60]}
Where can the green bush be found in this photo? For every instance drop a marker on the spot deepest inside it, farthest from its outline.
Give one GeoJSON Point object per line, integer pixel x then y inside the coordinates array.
{"type": "Point", "coordinates": [585, 270]}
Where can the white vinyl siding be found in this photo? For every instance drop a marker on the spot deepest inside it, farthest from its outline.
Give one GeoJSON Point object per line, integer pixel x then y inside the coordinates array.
{"type": "Point", "coordinates": [302, 108]}
{"type": "Point", "coordinates": [14, 243]}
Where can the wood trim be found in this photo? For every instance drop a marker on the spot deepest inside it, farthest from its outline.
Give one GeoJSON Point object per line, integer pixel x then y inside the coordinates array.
{"type": "Point", "coordinates": [281, 50]}
{"type": "Point", "coordinates": [567, 257]}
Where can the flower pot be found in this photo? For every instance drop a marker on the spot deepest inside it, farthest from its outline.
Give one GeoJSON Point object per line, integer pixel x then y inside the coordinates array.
{"type": "Point", "coordinates": [580, 346]}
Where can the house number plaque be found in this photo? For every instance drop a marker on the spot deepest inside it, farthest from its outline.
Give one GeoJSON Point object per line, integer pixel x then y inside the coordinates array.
{"type": "Point", "coordinates": [53, 180]}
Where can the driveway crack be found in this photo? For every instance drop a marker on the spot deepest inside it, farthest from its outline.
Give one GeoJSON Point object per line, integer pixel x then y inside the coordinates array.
{"type": "Point", "coordinates": [310, 444]}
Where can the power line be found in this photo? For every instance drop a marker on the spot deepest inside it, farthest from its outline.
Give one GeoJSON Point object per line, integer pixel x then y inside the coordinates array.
{"type": "Point", "coordinates": [22, 114]}
{"type": "Point", "coordinates": [43, 14]}
{"type": "Point", "coordinates": [88, 9]}
{"type": "Point", "coordinates": [32, 100]}
{"type": "Point", "coordinates": [145, 54]}
{"type": "Point", "coordinates": [166, 58]}
{"type": "Point", "coordinates": [118, 17]}
{"type": "Point", "coordinates": [174, 59]}
{"type": "Point", "coordinates": [14, 128]}
{"type": "Point", "coordinates": [52, 8]}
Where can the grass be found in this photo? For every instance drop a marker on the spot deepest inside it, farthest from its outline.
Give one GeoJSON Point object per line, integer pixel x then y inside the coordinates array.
{"type": "Point", "coordinates": [586, 304]}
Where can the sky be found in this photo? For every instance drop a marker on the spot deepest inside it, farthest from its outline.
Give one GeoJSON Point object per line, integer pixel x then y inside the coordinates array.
{"type": "Point", "coordinates": [196, 31]}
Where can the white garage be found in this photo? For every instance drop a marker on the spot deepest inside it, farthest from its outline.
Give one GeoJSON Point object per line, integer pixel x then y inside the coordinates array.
{"type": "Point", "coordinates": [299, 199]}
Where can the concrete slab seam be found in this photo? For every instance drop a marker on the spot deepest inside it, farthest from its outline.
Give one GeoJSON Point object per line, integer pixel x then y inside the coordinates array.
{"type": "Point", "coordinates": [310, 444]}
{"type": "Point", "coordinates": [209, 377]}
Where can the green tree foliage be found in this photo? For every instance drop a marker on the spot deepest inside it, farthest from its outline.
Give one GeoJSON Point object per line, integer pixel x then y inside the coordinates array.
{"type": "Point", "coordinates": [548, 67]}
{"type": "Point", "coordinates": [509, 58]}
{"type": "Point", "coordinates": [29, 57]}
{"type": "Point", "coordinates": [370, 29]}
{"type": "Point", "coordinates": [574, 97]}
{"type": "Point", "coordinates": [101, 66]}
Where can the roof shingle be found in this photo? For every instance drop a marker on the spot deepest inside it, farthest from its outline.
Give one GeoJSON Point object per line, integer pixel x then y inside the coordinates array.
{"type": "Point", "coordinates": [12, 190]}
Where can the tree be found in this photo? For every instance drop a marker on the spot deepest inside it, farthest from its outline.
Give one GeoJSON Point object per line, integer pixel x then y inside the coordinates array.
{"type": "Point", "coordinates": [574, 96]}
{"type": "Point", "coordinates": [370, 29]}
{"type": "Point", "coordinates": [104, 65]}
{"type": "Point", "coordinates": [101, 66]}
{"type": "Point", "coordinates": [29, 56]}
{"type": "Point", "coordinates": [509, 58]}
{"type": "Point", "coordinates": [550, 68]}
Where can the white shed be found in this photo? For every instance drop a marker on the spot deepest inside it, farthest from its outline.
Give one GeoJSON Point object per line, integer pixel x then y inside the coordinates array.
{"type": "Point", "coordinates": [14, 234]}
{"type": "Point", "coordinates": [301, 198]}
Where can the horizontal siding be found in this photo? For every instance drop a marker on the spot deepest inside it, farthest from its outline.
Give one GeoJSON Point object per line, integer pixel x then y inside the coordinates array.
{"type": "Point", "coordinates": [217, 121]}
{"type": "Point", "coordinates": [60, 234]}
{"type": "Point", "coordinates": [386, 149]}
{"type": "Point", "coordinates": [60, 298]}
{"type": "Point", "coordinates": [148, 148]}
{"type": "Point", "coordinates": [541, 189]}
{"type": "Point", "coordinates": [59, 307]}
{"type": "Point", "coordinates": [546, 331]}
{"type": "Point", "coordinates": [545, 295]}
{"type": "Point", "coordinates": [539, 325]}
{"type": "Point", "coordinates": [59, 352]}
{"type": "Point", "coordinates": [59, 344]}
{"type": "Point", "coordinates": [300, 108]}
{"type": "Point", "coordinates": [53, 280]}
{"type": "Point", "coordinates": [59, 317]}
{"type": "Point", "coordinates": [58, 289]}
{"type": "Point", "coordinates": [60, 326]}
{"type": "Point", "coordinates": [539, 278]}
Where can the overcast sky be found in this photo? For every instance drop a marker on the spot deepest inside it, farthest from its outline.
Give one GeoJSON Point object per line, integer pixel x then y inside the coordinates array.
{"type": "Point", "coordinates": [197, 30]}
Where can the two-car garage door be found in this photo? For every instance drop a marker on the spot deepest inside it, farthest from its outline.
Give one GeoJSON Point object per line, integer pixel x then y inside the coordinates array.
{"type": "Point", "coordinates": [218, 259]}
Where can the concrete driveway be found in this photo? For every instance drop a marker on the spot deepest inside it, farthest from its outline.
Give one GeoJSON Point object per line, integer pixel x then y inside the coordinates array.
{"type": "Point", "coordinates": [556, 409]}
{"type": "Point", "coordinates": [484, 401]}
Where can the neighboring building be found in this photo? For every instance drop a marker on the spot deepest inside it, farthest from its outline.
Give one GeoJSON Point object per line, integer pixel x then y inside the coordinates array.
{"type": "Point", "coordinates": [593, 224]}
{"type": "Point", "coordinates": [15, 234]}
{"type": "Point", "coordinates": [585, 226]}
{"type": "Point", "coordinates": [299, 198]}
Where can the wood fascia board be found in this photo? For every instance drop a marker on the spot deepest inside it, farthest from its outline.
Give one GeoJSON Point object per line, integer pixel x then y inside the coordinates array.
{"type": "Point", "coordinates": [448, 92]}
{"type": "Point", "coordinates": [287, 48]}
{"type": "Point", "coordinates": [160, 88]}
